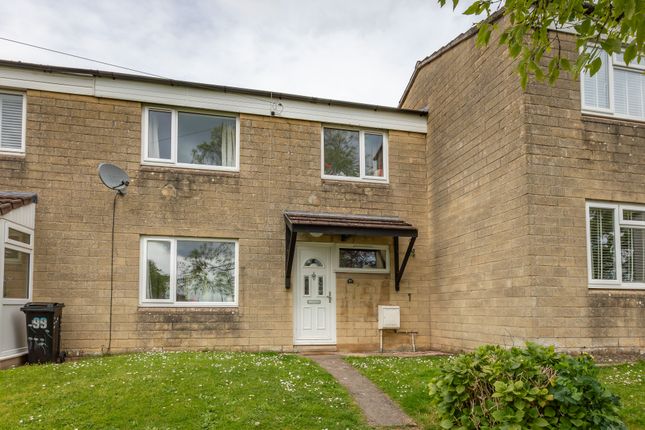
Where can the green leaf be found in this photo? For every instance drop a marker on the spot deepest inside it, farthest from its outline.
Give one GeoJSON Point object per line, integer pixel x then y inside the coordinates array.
{"type": "Point", "coordinates": [549, 412]}
{"type": "Point", "coordinates": [541, 422]}
{"type": "Point", "coordinates": [629, 54]}
{"type": "Point", "coordinates": [446, 423]}
{"type": "Point", "coordinates": [460, 389]}
{"type": "Point", "coordinates": [473, 9]}
{"type": "Point", "coordinates": [594, 66]}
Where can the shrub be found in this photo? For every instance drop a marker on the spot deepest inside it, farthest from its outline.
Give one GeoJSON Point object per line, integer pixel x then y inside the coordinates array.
{"type": "Point", "coordinates": [522, 388]}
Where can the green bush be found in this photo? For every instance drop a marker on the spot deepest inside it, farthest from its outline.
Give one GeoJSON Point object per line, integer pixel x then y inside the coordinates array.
{"type": "Point", "coordinates": [522, 388]}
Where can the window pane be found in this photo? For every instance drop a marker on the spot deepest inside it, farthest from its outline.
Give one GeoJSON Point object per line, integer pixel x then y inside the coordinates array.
{"type": "Point", "coordinates": [206, 139]}
{"type": "Point", "coordinates": [205, 271]}
{"type": "Point", "coordinates": [158, 270]}
{"type": "Point", "coordinates": [597, 86]}
{"type": "Point", "coordinates": [306, 285]}
{"type": "Point", "coordinates": [632, 245]}
{"type": "Point", "coordinates": [353, 258]}
{"type": "Point", "coordinates": [632, 215]}
{"type": "Point", "coordinates": [19, 236]}
{"type": "Point", "coordinates": [373, 155]}
{"type": "Point", "coordinates": [16, 274]}
{"type": "Point", "coordinates": [628, 92]}
{"type": "Point", "coordinates": [159, 128]}
{"type": "Point", "coordinates": [341, 152]}
{"type": "Point", "coordinates": [321, 286]}
{"type": "Point", "coordinates": [601, 232]}
{"type": "Point", "coordinates": [10, 121]}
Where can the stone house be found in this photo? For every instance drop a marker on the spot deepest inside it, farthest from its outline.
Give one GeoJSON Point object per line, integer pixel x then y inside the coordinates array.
{"type": "Point", "coordinates": [263, 221]}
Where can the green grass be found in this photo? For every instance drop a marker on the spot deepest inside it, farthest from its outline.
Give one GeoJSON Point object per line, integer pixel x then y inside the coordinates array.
{"type": "Point", "coordinates": [405, 380]}
{"type": "Point", "coordinates": [176, 391]}
{"type": "Point", "coordinates": [628, 382]}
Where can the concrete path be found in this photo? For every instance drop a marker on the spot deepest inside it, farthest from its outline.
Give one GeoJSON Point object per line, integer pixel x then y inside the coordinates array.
{"type": "Point", "coordinates": [378, 408]}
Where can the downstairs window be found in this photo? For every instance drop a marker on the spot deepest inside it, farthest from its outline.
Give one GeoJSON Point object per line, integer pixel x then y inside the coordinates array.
{"type": "Point", "coordinates": [189, 272]}
{"type": "Point", "coordinates": [616, 245]}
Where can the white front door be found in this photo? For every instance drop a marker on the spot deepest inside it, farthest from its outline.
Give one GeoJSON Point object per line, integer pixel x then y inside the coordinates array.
{"type": "Point", "coordinates": [314, 297]}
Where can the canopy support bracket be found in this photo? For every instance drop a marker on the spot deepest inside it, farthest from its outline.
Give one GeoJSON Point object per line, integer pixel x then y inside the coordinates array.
{"type": "Point", "coordinates": [290, 250]}
{"type": "Point", "coordinates": [399, 269]}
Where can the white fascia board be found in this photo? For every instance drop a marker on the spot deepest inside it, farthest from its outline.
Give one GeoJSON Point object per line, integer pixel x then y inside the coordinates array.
{"type": "Point", "coordinates": [210, 99]}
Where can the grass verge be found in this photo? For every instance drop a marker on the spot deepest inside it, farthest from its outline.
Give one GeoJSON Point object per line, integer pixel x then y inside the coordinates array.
{"type": "Point", "coordinates": [176, 391]}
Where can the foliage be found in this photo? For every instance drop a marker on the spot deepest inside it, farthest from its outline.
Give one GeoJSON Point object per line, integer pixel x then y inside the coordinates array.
{"type": "Point", "coordinates": [341, 153]}
{"type": "Point", "coordinates": [176, 391]}
{"type": "Point", "coordinates": [612, 25]}
{"type": "Point", "coordinates": [158, 282]}
{"type": "Point", "coordinates": [207, 270]}
{"type": "Point", "coordinates": [210, 152]}
{"type": "Point", "coordinates": [628, 381]}
{"type": "Point", "coordinates": [518, 388]}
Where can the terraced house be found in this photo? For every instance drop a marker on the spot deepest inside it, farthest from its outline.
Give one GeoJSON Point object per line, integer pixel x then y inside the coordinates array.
{"type": "Point", "coordinates": [263, 221]}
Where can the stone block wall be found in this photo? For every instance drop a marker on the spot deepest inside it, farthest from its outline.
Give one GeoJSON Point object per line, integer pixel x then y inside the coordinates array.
{"type": "Point", "coordinates": [68, 136]}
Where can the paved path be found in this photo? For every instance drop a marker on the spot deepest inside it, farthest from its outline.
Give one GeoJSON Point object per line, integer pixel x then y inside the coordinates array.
{"type": "Point", "coordinates": [378, 408]}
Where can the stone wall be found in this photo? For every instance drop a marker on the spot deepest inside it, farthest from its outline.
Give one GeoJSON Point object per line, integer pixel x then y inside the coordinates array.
{"type": "Point", "coordinates": [67, 137]}
{"type": "Point", "coordinates": [478, 215]}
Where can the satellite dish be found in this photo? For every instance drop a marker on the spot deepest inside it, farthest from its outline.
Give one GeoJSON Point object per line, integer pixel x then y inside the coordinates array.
{"type": "Point", "coordinates": [114, 177]}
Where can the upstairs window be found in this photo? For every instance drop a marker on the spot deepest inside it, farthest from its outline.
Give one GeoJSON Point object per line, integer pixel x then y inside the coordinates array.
{"type": "Point", "coordinates": [616, 245]}
{"type": "Point", "coordinates": [190, 139]}
{"type": "Point", "coordinates": [615, 90]}
{"type": "Point", "coordinates": [354, 154]}
{"type": "Point", "coordinates": [12, 124]}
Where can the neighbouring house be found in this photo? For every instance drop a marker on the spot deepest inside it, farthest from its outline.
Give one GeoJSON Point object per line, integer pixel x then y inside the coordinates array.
{"type": "Point", "coordinates": [263, 221]}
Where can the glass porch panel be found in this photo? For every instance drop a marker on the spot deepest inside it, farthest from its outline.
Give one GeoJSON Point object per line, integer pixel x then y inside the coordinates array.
{"type": "Point", "coordinates": [16, 274]}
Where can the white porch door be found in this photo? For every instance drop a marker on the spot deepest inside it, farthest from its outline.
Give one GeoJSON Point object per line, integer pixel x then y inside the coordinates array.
{"type": "Point", "coordinates": [314, 297]}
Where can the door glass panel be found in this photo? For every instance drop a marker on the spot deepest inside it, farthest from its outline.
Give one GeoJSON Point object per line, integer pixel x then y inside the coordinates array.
{"type": "Point", "coordinates": [313, 262]}
{"type": "Point", "coordinates": [321, 286]}
{"type": "Point", "coordinates": [19, 236]}
{"type": "Point", "coordinates": [16, 274]}
{"type": "Point", "coordinates": [306, 285]}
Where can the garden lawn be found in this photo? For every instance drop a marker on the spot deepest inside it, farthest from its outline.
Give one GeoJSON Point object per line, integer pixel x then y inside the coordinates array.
{"type": "Point", "coordinates": [176, 391]}
{"type": "Point", "coordinates": [405, 380]}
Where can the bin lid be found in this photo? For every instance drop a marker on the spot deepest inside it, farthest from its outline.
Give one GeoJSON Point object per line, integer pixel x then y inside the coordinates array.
{"type": "Point", "coordinates": [41, 306]}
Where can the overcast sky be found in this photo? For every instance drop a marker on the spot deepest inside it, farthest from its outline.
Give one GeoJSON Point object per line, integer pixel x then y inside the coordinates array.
{"type": "Point", "coordinates": [357, 50]}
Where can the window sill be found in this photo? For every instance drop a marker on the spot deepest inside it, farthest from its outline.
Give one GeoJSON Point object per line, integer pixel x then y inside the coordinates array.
{"type": "Point", "coordinates": [12, 156]}
{"type": "Point", "coordinates": [610, 118]}
{"type": "Point", "coordinates": [617, 288]}
{"type": "Point", "coordinates": [345, 180]}
{"type": "Point", "coordinates": [188, 170]}
{"type": "Point", "coordinates": [167, 308]}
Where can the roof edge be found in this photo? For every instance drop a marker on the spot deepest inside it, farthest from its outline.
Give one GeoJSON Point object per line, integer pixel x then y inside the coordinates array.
{"type": "Point", "coordinates": [439, 52]}
{"type": "Point", "coordinates": [220, 88]}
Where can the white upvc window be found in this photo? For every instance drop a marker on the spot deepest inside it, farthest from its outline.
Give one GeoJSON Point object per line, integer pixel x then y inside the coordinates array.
{"type": "Point", "coordinates": [189, 138]}
{"type": "Point", "coordinates": [12, 122]}
{"type": "Point", "coordinates": [362, 258]}
{"type": "Point", "coordinates": [615, 90]}
{"type": "Point", "coordinates": [616, 245]}
{"type": "Point", "coordinates": [188, 272]}
{"type": "Point", "coordinates": [353, 154]}
{"type": "Point", "coordinates": [16, 263]}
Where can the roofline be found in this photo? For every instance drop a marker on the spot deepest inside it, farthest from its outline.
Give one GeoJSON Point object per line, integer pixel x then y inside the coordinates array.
{"type": "Point", "coordinates": [189, 84]}
{"type": "Point", "coordinates": [439, 52]}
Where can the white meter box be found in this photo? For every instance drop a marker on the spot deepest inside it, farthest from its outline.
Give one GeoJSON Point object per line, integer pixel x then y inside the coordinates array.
{"type": "Point", "coordinates": [389, 317]}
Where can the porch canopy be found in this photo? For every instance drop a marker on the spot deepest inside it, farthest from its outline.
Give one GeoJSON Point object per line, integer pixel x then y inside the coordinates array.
{"type": "Point", "coordinates": [347, 225]}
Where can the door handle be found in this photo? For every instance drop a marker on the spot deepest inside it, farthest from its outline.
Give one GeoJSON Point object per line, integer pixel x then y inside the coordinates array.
{"type": "Point", "coordinates": [329, 296]}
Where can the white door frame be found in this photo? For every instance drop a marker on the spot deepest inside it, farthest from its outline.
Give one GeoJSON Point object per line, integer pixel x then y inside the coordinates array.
{"type": "Point", "coordinates": [297, 297]}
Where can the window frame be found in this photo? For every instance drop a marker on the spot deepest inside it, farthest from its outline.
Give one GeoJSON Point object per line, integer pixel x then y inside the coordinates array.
{"type": "Point", "coordinates": [362, 177]}
{"type": "Point", "coordinates": [23, 129]}
{"type": "Point", "coordinates": [336, 258]}
{"type": "Point", "coordinates": [618, 222]}
{"type": "Point", "coordinates": [610, 112]}
{"type": "Point", "coordinates": [174, 139]}
{"type": "Point", "coordinates": [5, 243]}
{"type": "Point", "coordinates": [172, 301]}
